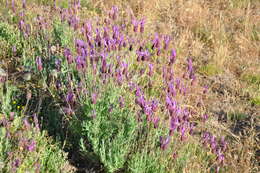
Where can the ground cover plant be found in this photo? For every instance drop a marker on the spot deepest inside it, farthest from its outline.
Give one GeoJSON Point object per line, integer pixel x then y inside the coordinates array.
{"type": "Point", "coordinates": [106, 85]}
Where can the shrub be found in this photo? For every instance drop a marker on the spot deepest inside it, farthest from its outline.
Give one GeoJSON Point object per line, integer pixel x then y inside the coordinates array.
{"type": "Point", "coordinates": [10, 40]}
{"type": "Point", "coordinates": [23, 146]}
{"type": "Point", "coordinates": [109, 128]}
{"type": "Point", "coordinates": [126, 97]}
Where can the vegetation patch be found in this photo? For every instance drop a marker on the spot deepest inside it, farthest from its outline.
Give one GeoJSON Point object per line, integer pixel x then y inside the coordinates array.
{"type": "Point", "coordinates": [210, 70]}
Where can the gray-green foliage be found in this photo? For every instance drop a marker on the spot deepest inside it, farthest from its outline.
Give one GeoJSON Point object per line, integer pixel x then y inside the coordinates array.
{"type": "Point", "coordinates": [62, 34]}
{"type": "Point", "coordinates": [111, 133]}
{"type": "Point", "coordinates": [9, 38]}
{"type": "Point", "coordinates": [46, 153]}
{"type": "Point", "coordinates": [145, 162]}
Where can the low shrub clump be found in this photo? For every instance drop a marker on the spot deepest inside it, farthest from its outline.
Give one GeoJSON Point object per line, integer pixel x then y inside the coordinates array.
{"type": "Point", "coordinates": [24, 148]}
{"type": "Point", "coordinates": [124, 97]}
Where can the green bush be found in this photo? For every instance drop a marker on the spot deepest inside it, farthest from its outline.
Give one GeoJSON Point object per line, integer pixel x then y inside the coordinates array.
{"type": "Point", "coordinates": [62, 34]}
{"type": "Point", "coordinates": [23, 147]}
{"type": "Point", "coordinates": [10, 38]}
{"type": "Point", "coordinates": [111, 133]}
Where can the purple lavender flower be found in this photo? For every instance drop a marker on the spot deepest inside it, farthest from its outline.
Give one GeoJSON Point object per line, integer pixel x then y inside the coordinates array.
{"type": "Point", "coordinates": [148, 112]}
{"type": "Point", "coordinates": [186, 114]}
{"type": "Point", "coordinates": [172, 57]}
{"type": "Point", "coordinates": [78, 4]}
{"type": "Point", "coordinates": [135, 24]}
{"type": "Point", "coordinates": [220, 156]}
{"type": "Point", "coordinates": [21, 25]}
{"type": "Point", "coordinates": [67, 110]}
{"type": "Point", "coordinates": [142, 71]}
{"type": "Point", "coordinates": [114, 12]}
{"type": "Point", "coordinates": [213, 143]}
{"type": "Point", "coordinates": [164, 142]}
{"type": "Point", "coordinates": [16, 163]}
{"type": "Point", "coordinates": [98, 38]}
{"type": "Point", "coordinates": [205, 117]}
{"type": "Point", "coordinates": [63, 15]}
{"type": "Point", "coordinates": [183, 90]}
{"type": "Point", "coordinates": [94, 98]}
{"type": "Point", "coordinates": [119, 76]}
{"type": "Point", "coordinates": [131, 86]}
{"type": "Point", "coordinates": [31, 146]}
{"type": "Point", "coordinates": [193, 79]}
{"type": "Point", "coordinates": [26, 123]}
{"type": "Point", "coordinates": [79, 43]}
{"type": "Point", "coordinates": [58, 84]}
{"type": "Point", "coordinates": [4, 122]}
{"type": "Point", "coordinates": [205, 89]}
{"type": "Point", "coordinates": [154, 105]}
{"type": "Point", "coordinates": [150, 73]}
{"type": "Point", "coordinates": [24, 4]}
{"type": "Point", "coordinates": [125, 66]}
{"type": "Point", "coordinates": [115, 33]}
{"type": "Point", "coordinates": [88, 27]}
{"type": "Point", "coordinates": [14, 49]}
{"type": "Point", "coordinates": [171, 74]}
{"type": "Point", "coordinates": [192, 126]}
{"type": "Point", "coordinates": [142, 23]}
{"type": "Point", "coordinates": [36, 121]}
{"type": "Point", "coordinates": [205, 138]}
{"type": "Point", "coordinates": [138, 92]}
{"type": "Point", "coordinates": [80, 63]}
{"type": "Point", "coordinates": [140, 101]}
{"type": "Point", "coordinates": [21, 14]}
{"type": "Point", "coordinates": [122, 42]}
{"type": "Point", "coordinates": [39, 63]}
{"type": "Point", "coordinates": [68, 56]}
{"type": "Point", "coordinates": [178, 82]}
{"type": "Point", "coordinates": [105, 33]}
{"type": "Point", "coordinates": [183, 130]}
{"type": "Point", "coordinates": [110, 69]}
{"type": "Point", "coordinates": [7, 134]}
{"type": "Point", "coordinates": [164, 75]}
{"type": "Point", "coordinates": [156, 121]}
{"type": "Point", "coordinates": [223, 143]}
{"type": "Point", "coordinates": [2, 79]}
{"type": "Point", "coordinates": [171, 89]}
{"type": "Point", "coordinates": [142, 55]}
{"type": "Point", "coordinates": [104, 66]}
{"type": "Point", "coordinates": [13, 6]}
{"type": "Point", "coordinates": [156, 41]}
{"type": "Point", "coordinates": [70, 97]}
{"type": "Point", "coordinates": [168, 101]}
{"type": "Point", "coordinates": [11, 118]}
{"type": "Point", "coordinates": [110, 109]}
{"type": "Point", "coordinates": [190, 66]}
{"type": "Point", "coordinates": [58, 64]}
{"type": "Point", "coordinates": [54, 3]}
{"type": "Point", "coordinates": [166, 42]}
{"type": "Point", "coordinates": [175, 155]}
{"type": "Point", "coordinates": [74, 22]}
{"type": "Point", "coordinates": [121, 102]}
{"type": "Point", "coordinates": [174, 124]}
{"type": "Point", "coordinates": [94, 68]}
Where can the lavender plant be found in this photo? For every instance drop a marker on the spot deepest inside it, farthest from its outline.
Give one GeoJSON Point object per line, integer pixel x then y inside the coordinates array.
{"type": "Point", "coordinates": [10, 38]}
{"type": "Point", "coordinates": [125, 95]}
{"type": "Point", "coordinates": [23, 146]}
